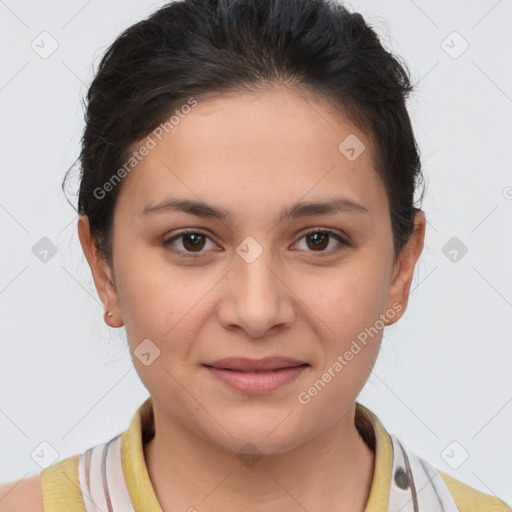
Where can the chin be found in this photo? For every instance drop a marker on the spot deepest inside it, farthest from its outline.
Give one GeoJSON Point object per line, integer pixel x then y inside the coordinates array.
{"type": "Point", "coordinates": [257, 445]}
{"type": "Point", "coordinates": [251, 433]}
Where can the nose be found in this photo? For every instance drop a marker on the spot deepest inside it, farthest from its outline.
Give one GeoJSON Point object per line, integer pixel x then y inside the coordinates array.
{"type": "Point", "coordinates": [256, 297]}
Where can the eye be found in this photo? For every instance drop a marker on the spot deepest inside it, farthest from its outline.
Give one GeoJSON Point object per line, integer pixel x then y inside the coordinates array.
{"type": "Point", "coordinates": [192, 241]}
{"type": "Point", "coordinates": [319, 239]}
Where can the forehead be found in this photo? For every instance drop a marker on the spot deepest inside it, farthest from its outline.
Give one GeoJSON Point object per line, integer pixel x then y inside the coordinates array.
{"type": "Point", "coordinates": [266, 148]}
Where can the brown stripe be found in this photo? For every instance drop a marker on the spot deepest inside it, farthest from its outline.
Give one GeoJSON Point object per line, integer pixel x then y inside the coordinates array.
{"type": "Point", "coordinates": [88, 470]}
{"type": "Point", "coordinates": [104, 475]}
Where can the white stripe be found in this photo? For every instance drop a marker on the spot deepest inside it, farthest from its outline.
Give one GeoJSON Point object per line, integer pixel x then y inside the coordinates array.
{"type": "Point", "coordinates": [96, 483]}
{"type": "Point", "coordinates": [115, 479]}
{"type": "Point", "coordinates": [86, 492]}
{"type": "Point", "coordinates": [94, 498]}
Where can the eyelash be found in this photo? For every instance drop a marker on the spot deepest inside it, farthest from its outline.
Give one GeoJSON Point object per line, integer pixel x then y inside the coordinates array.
{"type": "Point", "coordinates": [342, 242]}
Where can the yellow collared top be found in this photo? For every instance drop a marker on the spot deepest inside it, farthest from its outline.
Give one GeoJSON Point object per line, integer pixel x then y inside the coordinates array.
{"type": "Point", "coordinates": [62, 491]}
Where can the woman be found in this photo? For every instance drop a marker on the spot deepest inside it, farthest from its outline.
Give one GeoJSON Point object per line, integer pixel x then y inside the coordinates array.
{"type": "Point", "coordinates": [246, 208]}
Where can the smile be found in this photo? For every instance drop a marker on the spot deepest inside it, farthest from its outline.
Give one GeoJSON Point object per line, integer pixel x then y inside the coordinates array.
{"type": "Point", "coordinates": [256, 381]}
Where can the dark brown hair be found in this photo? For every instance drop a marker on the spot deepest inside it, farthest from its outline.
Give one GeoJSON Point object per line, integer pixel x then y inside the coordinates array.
{"type": "Point", "coordinates": [194, 48]}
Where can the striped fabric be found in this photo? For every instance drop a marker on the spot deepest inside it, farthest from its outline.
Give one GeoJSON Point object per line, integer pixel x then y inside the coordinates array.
{"type": "Point", "coordinates": [114, 477]}
{"type": "Point", "coordinates": [101, 479]}
{"type": "Point", "coordinates": [416, 485]}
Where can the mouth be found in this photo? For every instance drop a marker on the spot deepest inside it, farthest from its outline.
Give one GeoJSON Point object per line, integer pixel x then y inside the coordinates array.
{"type": "Point", "coordinates": [244, 364]}
{"type": "Point", "coordinates": [254, 376]}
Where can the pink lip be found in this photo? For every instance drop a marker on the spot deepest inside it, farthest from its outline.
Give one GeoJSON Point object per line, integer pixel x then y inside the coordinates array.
{"type": "Point", "coordinates": [251, 365]}
{"type": "Point", "coordinates": [256, 375]}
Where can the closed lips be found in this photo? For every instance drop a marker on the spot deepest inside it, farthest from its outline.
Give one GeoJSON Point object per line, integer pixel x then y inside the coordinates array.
{"type": "Point", "coordinates": [255, 366]}
{"type": "Point", "coordinates": [255, 371]}
{"type": "Point", "coordinates": [256, 376]}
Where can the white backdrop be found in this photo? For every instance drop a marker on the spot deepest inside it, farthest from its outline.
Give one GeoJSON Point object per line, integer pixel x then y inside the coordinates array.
{"type": "Point", "coordinates": [442, 383]}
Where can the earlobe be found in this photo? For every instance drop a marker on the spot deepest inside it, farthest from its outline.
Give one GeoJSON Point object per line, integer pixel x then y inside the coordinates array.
{"type": "Point", "coordinates": [101, 272]}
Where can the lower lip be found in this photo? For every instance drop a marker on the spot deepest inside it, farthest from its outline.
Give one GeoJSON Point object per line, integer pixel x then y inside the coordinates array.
{"type": "Point", "coordinates": [257, 382]}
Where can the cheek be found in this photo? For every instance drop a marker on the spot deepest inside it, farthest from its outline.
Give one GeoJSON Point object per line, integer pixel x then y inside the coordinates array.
{"type": "Point", "coordinates": [165, 305]}
{"type": "Point", "coordinates": [350, 298]}
{"type": "Point", "coordinates": [350, 306]}
{"type": "Point", "coordinates": [148, 296]}
{"type": "Point", "coordinates": [349, 303]}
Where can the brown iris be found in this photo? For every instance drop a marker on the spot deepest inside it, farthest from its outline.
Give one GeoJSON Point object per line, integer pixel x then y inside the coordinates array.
{"type": "Point", "coordinates": [320, 240]}
{"type": "Point", "coordinates": [196, 240]}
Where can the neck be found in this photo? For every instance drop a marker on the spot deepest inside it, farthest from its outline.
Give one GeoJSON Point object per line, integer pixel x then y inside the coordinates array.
{"type": "Point", "coordinates": [333, 470]}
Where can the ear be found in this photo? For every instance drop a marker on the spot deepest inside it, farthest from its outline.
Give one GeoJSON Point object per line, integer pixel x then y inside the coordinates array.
{"type": "Point", "coordinates": [404, 268]}
{"type": "Point", "coordinates": [101, 272]}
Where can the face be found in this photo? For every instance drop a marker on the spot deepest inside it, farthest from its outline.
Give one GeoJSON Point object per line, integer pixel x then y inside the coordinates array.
{"type": "Point", "coordinates": [255, 276]}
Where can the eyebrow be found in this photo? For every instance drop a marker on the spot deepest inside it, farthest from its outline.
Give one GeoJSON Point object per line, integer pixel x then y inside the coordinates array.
{"type": "Point", "coordinates": [297, 210]}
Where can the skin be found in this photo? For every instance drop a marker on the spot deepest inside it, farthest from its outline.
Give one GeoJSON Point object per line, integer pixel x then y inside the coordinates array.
{"type": "Point", "coordinates": [255, 155]}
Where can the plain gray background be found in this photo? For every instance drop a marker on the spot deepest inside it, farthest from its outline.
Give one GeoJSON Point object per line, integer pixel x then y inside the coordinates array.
{"type": "Point", "coordinates": [442, 383]}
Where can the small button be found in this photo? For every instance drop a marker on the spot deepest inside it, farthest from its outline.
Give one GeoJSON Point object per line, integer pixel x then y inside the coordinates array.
{"type": "Point", "coordinates": [402, 479]}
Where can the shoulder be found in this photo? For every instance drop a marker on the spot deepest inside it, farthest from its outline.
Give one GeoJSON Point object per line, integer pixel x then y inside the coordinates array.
{"type": "Point", "coordinates": [469, 499]}
{"type": "Point", "coordinates": [61, 486]}
{"type": "Point", "coordinates": [22, 495]}
{"type": "Point", "coordinates": [55, 489]}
